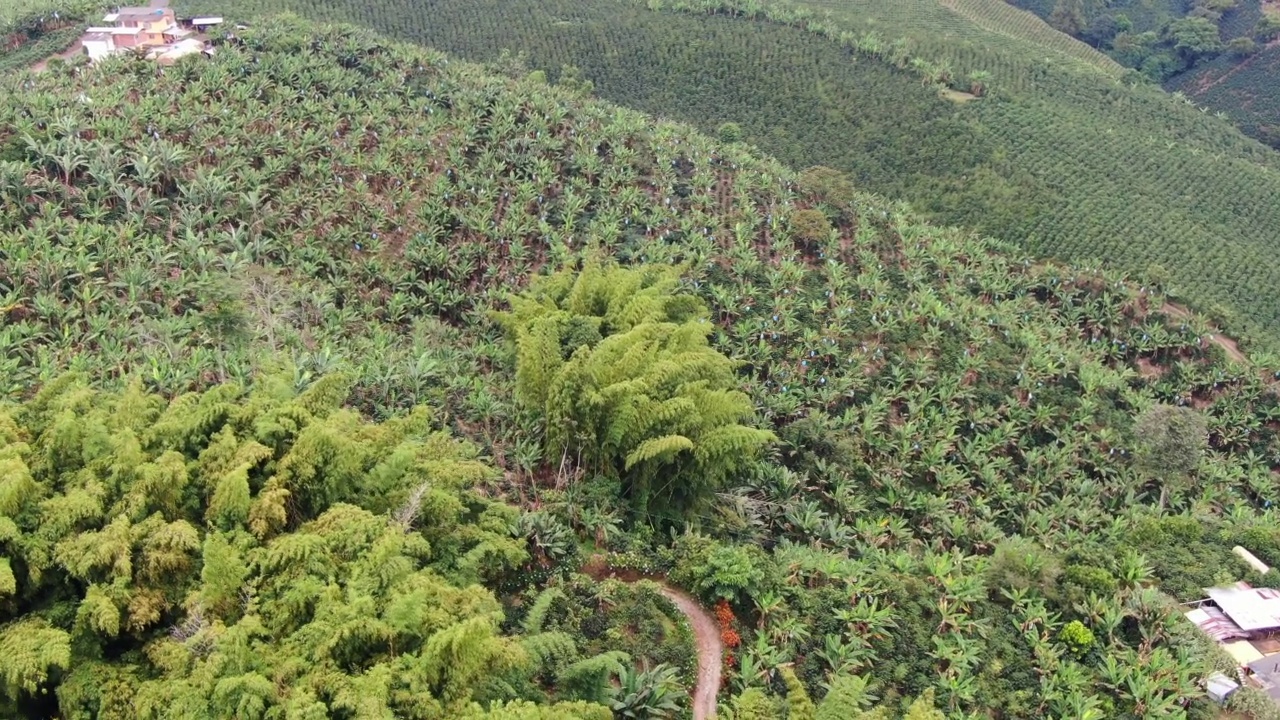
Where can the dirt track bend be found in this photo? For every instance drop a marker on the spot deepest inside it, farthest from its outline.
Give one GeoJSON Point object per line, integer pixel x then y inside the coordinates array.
{"type": "Point", "coordinates": [706, 634]}
{"type": "Point", "coordinates": [1229, 345]}
{"type": "Point", "coordinates": [710, 652]}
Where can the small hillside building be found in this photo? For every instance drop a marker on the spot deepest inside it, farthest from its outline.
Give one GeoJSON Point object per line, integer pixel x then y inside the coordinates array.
{"type": "Point", "coordinates": [1219, 687]}
{"type": "Point", "coordinates": [169, 54]}
{"type": "Point", "coordinates": [1265, 673]}
{"type": "Point", "coordinates": [1252, 610]}
{"type": "Point", "coordinates": [143, 28]}
{"type": "Point", "coordinates": [155, 23]}
{"type": "Point", "coordinates": [203, 24]}
{"type": "Point", "coordinates": [98, 45]}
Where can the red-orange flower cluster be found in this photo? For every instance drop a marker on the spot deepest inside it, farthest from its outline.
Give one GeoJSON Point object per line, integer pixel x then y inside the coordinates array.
{"type": "Point", "coordinates": [728, 636]}
{"type": "Point", "coordinates": [724, 615]}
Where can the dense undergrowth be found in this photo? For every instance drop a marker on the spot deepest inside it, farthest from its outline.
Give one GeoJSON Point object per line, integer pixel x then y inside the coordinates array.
{"type": "Point", "coordinates": [1059, 156]}
{"type": "Point", "coordinates": [267, 554]}
{"type": "Point", "coordinates": [952, 510]}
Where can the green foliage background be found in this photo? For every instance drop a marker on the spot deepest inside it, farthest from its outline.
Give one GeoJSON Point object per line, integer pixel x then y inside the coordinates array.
{"type": "Point", "coordinates": [953, 484]}
{"type": "Point", "coordinates": [207, 558]}
{"type": "Point", "coordinates": [1240, 88]}
{"type": "Point", "coordinates": [1060, 158]}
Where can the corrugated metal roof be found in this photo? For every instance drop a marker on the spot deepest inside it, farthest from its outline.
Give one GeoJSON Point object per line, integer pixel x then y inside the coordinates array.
{"type": "Point", "coordinates": [1248, 607]}
{"type": "Point", "coordinates": [139, 12]}
{"type": "Point", "coordinates": [206, 21]}
{"type": "Point", "coordinates": [1219, 686]}
{"type": "Point", "coordinates": [178, 50]}
{"type": "Point", "coordinates": [1215, 623]}
{"type": "Point", "coordinates": [1268, 665]}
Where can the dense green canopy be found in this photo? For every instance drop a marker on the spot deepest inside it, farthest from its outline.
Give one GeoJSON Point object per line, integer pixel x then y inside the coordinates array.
{"type": "Point", "coordinates": [976, 113]}
{"type": "Point", "coordinates": [234, 554]}
{"type": "Point", "coordinates": [616, 363]}
{"type": "Point", "coordinates": [952, 509]}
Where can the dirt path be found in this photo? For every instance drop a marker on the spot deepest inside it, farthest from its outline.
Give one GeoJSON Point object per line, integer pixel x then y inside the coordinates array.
{"type": "Point", "coordinates": [706, 634]}
{"type": "Point", "coordinates": [1231, 347]}
{"type": "Point", "coordinates": [67, 54]}
{"type": "Point", "coordinates": [710, 652]}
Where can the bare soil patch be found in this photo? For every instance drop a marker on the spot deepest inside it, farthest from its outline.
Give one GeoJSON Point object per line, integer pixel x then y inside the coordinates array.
{"type": "Point", "coordinates": [1148, 369]}
{"type": "Point", "coordinates": [957, 96]}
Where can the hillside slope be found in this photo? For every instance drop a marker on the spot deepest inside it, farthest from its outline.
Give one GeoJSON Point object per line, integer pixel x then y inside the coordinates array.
{"type": "Point", "coordinates": [956, 28]}
{"type": "Point", "coordinates": [955, 486]}
{"type": "Point", "coordinates": [1235, 77]}
{"type": "Point", "coordinates": [1243, 89]}
{"type": "Point", "coordinates": [1058, 157]}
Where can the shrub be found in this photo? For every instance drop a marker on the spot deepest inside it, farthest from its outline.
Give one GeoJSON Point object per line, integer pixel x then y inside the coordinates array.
{"type": "Point", "coordinates": [730, 132]}
{"type": "Point", "coordinates": [1078, 638]}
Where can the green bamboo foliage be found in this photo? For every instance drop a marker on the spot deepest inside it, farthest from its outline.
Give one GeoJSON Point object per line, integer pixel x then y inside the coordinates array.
{"type": "Point", "coordinates": [117, 530]}
{"type": "Point", "coordinates": [618, 363]}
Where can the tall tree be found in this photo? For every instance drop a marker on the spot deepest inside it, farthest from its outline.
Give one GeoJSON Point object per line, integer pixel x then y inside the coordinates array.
{"type": "Point", "coordinates": [1194, 38]}
{"type": "Point", "coordinates": [1171, 441]}
{"type": "Point", "coordinates": [1068, 16]}
{"type": "Point", "coordinates": [616, 361]}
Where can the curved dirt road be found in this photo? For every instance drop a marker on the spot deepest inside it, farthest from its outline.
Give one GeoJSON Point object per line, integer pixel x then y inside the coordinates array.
{"type": "Point", "coordinates": [706, 634]}
{"type": "Point", "coordinates": [710, 652]}
{"type": "Point", "coordinates": [1229, 345]}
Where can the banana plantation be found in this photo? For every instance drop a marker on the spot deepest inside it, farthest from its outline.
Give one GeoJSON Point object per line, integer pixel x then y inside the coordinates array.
{"type": "Point", "coordinates": [976, 113]}
{"type": "Point", "coordinates": [905, 464]}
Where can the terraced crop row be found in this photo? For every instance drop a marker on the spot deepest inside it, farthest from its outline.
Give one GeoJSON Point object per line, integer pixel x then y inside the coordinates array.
{"type": "Point", "coordinates": [998, 16]}
{"type": "Point", "coordinates": [338, 202]}
{"type": "Point", "coordinates": [1246, 91]}
{"type": "Point", "coordinates": [991, 22]}
{"type": "Point", "coordinates": [1059, 158]}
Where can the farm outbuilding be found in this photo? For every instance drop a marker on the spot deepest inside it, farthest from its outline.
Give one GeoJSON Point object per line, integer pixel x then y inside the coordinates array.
{"type": "Point", "coordinates": [1250, 608]}
{"type": "Point", "coordinates": [172, 53]}
{"type": "Point", "coordinates": [1219, 687]}
{"type": "Point", "coordinates": [98, 45]}
{"type": "Point", "coordinates": [1245, 621]}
